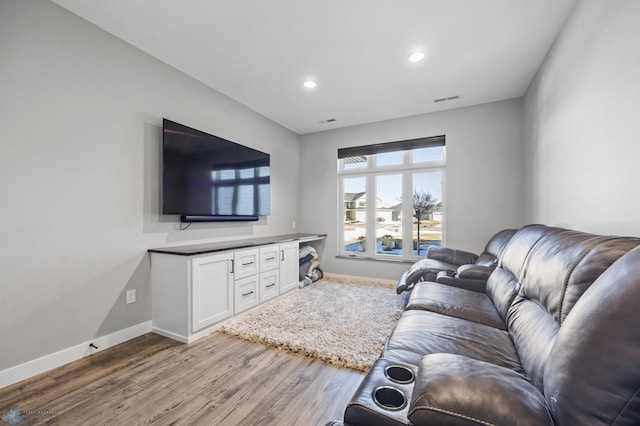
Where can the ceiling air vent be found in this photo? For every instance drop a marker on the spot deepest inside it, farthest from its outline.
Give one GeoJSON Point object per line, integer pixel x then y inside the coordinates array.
{"type": "Point", "coordinates": [448, 98]}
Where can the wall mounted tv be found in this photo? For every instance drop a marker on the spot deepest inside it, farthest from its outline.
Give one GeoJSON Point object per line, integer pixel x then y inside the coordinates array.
{"type": "Point", "coordinates": [206, 178]}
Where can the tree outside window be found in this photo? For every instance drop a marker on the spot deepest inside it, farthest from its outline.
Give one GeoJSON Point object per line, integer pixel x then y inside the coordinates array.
{"type": "Point", "coordinates": [423, 205]}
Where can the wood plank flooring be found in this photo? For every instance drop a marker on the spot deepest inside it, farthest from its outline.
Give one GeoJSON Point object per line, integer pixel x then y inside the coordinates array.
{"type": "Point", "coordinates": [218, 380]}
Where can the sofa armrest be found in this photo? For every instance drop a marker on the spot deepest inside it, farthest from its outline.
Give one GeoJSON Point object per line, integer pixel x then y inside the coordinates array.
{"type": "Point", "coordinates": [422, 270]}
{"type": "Point", "coordinates": [479, 286]}
{"type": "Point", "coordinates": [452, 256]}
{"type": "Point", "coordinates": [456, 390]}
{"type": "Point", "coordinates": [403, 285]}
{"type": "Point", "coordinates": [474, 272]}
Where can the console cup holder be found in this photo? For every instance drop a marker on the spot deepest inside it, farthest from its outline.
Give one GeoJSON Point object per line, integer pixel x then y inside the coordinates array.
{"type": "Point", "coordinates": [399, 374]}
{"type": "Point", "coordinates": [389, 398]}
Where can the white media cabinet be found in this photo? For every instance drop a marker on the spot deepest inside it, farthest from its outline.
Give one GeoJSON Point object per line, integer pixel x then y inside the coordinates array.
{"type": "Point", "coordinates": [194, 287]}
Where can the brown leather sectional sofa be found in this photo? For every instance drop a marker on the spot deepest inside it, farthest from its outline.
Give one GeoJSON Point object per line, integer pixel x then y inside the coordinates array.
{"type": "Point", "coordinates": [555, 340]}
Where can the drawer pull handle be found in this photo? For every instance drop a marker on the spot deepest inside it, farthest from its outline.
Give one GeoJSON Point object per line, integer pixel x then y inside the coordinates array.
{"type": "Point", "coordinates": [271, 258]}
{"type": "Point", "coordinates": [271, 285]}
{"type": "Point", "coordinates": [247, 294]}
{"type": "Point", "coordinates": [247, 264]}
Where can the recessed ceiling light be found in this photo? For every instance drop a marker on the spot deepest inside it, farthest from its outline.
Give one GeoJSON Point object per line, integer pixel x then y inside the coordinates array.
{"type": "Point", "coordinates": [416, 57]}
{"type": "Point", "coordinates": [309, 84]}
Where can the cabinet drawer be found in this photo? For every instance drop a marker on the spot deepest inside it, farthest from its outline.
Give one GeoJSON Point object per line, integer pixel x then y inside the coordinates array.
{"type": "Point", "coordinates": [245, 263]}
{"type": "Point", "coordinates": [269, 285]}
{"type": "Point", "coordinates": [246, 293]}
{"type": "Point", "coordinates": [269, 258]}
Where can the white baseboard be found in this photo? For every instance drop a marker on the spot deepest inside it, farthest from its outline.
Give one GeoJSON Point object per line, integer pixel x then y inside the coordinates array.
{"type": "Point", "coordinates": [170, 335]}
{"type": "Point", "coordinates": [356, 277]}
{"type": "Point", "coordinates": [40, 365]}
{"type": "Point", "coordinates": [184, 339]}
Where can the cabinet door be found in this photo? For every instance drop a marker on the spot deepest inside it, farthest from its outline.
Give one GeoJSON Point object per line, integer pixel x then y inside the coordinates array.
{"type": "Point", "coordinates": [246, 293]}
{"type": "Point", "coordinates": [269, 285]}
{"type": "Point", "coordinates": [245, 263]}
{"type": "Point", "coordinates": [211, 290]}
{"type": "Point", "coordinates": [269, 258]}
{"type": "Point", "coordinates": [289, 268]}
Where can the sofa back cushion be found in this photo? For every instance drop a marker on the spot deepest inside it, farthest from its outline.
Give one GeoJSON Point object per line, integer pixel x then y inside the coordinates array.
{"type": "Point", "coordinates": [451, 256]}
{"type": "Point", "coordinates": [592, 375]}
{"type": "Point", "coordinates": [495, 247]}
{"type": "Point", "coordinates": [504, 283]}
{"type": "Point", "coordinates": [559, 269]}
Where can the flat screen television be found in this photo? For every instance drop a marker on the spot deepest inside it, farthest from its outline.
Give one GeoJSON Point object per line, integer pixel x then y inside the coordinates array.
{"type": "Point", "coordinates": [208, 178]}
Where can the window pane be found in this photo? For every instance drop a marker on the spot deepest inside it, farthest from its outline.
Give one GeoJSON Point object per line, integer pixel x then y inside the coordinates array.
{"type": "Point", "coordinates": [247, 173]}
{"type": "Point", "coordinates": [225, 200]}
{"type": "Point", "coordinates": [263, 193]}
{"type": "Point", "coordinates": [263, 171]}
{"type": "Point", "coordinates": [427, 211]}
{"type": "Point", "coordinates": [245, 200]}
{"type": "Point", "coordinates": [389, 158]}
{"type": "Point", "coordinates": [357, 162]}
{"type": "Point", "coordinates": [388, 217]}
{"type": "Point", "coordinates": [422, 155]}
{"type": "Point", "coordinates": [226, 174]}
{"type": "Point", "coordinates": [355, 214]}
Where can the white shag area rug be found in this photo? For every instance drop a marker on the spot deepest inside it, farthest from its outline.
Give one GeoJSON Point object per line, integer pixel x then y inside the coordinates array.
{"type": "Point", "coordinates": [344, 322]}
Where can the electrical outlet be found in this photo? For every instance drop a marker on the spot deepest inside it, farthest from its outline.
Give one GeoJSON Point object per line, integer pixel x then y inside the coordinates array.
{"type": "Point", "coordinates": [131, 296]}
{"type": "Point", "coordinates": [293, 225]}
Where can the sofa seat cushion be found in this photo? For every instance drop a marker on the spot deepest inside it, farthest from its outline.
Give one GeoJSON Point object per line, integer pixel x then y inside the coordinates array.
{"type": "Point", "coordinates": [455, 302]}
{"type": "Point", "coordinates": [453, 389]}
{"type": "Point", "coordinates": [419, 333]}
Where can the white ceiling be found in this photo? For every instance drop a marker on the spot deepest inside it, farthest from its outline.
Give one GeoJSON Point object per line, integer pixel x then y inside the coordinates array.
{"type": "Point", "coordinates": [259, 52]}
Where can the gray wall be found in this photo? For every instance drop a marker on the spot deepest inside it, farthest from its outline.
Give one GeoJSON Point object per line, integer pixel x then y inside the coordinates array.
{"type": "Point", "coordinates": [484, 180]}
{"type": "Point", "coordinates": [80, 121]}
{"type": "Point", "coordinates": [582, 123]}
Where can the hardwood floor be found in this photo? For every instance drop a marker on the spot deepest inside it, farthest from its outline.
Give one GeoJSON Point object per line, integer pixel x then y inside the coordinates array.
{"type": "Point", "coordinates": [219, 380]}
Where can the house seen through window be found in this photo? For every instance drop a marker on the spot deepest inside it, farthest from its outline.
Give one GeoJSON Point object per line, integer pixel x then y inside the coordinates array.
{"type": "Point", "coordinates": [392, 198]}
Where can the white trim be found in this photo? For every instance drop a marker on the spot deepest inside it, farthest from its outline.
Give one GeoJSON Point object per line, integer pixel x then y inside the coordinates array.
{"type": "Point", "coordinates": [202, 333]}
{"type": "Point", "coordinates": [170, 335]}
{"type": "Point", "coordinates": [357, 277]}
{"type": "Point", "coordinates": [183, 339]}
{"type": "Point", "coordinates": [40, 365]}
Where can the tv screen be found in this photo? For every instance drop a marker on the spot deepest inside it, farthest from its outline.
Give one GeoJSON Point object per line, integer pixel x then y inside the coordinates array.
{"type": "Point", "coordinates": [210, 177]}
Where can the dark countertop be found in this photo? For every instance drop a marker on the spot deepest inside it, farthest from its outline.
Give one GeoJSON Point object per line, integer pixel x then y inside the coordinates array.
{"type": "Point", "coordinates": [194, 249]}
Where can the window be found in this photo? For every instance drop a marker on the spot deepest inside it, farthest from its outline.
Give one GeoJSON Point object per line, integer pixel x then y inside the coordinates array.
{"type": "Point", "coordinates": [392, 198]}
{"type": "Point", "coordinates": [238, 191]}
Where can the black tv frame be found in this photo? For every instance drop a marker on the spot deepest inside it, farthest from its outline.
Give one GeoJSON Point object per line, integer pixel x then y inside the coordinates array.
{"type": "Point", "coordinates": [187, 218]}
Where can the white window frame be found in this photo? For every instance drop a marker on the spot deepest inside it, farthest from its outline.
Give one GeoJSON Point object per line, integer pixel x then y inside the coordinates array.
{"type": "Point", "coordinates": [407, 170]}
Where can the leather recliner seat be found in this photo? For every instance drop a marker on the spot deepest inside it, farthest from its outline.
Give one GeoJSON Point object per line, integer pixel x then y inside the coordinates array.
{"type": "Point", "coordinates": [555, 340]}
